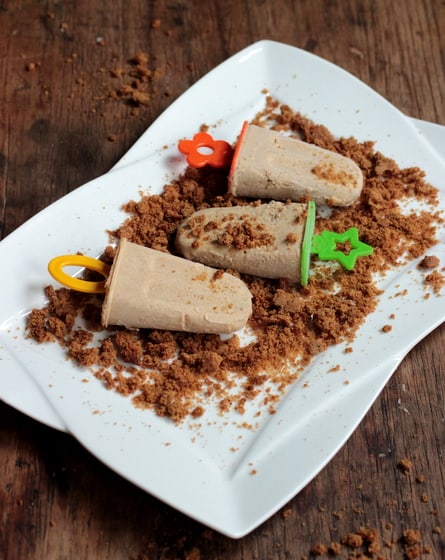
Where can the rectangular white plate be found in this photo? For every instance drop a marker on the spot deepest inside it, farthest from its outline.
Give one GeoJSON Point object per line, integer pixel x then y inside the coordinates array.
{"type": "Point", "coordinates": [214, 484]}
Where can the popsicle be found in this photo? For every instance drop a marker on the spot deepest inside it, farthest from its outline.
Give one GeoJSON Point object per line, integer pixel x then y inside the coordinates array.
{"type": "Point", "coordinates": [150, 289]}
{"type": "Point", "coordinates": [269, 164]}
{"type": "Point", "coordinates": [260, 240]}
{"type": "Point", "coordinates": [273, 240]}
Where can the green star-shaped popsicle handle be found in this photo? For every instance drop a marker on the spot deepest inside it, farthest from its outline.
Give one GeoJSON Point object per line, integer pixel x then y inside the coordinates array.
{"type": "Point", "coordinates": [324, 246]}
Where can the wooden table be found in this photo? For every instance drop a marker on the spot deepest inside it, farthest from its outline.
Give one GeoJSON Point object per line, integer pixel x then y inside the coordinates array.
{"type": "Point", "coordinates": [59, 129]}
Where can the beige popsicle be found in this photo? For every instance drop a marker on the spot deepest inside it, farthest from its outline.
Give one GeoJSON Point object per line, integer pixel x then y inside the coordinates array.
{"type": "Point", "coordinates": [152, 289]}
{"type": "Point", "coordinates": [262, 240]}
{"type": "Point", "coordinates": [268, 164]}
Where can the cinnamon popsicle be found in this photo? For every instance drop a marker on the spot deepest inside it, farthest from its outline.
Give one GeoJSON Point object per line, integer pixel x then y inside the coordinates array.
{"type": "Point", "coordinates": [263, 240]}
{"type": "Point", "coordinates": [152, 289]}
{"type": "Point", "coordinates": [268, 164]}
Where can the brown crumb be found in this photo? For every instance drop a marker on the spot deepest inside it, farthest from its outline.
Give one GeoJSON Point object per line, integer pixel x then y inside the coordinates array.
{"type": "Point", "coordinates": [197, 412]}
{"type": "Point", "coordinates": [405, 466]}
{"type": "Point", "coordinates": [411, 536]}
{"type": "Point", "coordinates": [319, 550]}
{"type": "Point", "coordinates": [329, 173]}
{"type": "Point", "coordinates": [436, 280]}
{"type": "Point", "coordinates": [429, 262]}
{"type": "Point", "coordinates": [286, 513]}
{"type": "Point", "coordinates": [193, 554]}
{"type": "Point", "coordinates": [353, 540]}
{"type": "Point", "coordinates": [411, 543]}
{"type": "Point", "coordinates": [31, 66]}
{"type": "Point", "coordinates": [334, 548]}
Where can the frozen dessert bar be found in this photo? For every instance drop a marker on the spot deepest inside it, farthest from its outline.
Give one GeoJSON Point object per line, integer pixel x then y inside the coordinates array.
{"type": "Point", "coordinates": [262, 240]}
{"type": "Point", "coordinates": [151, 289]}
{"type": "Point", "coordinates": [268, 164]}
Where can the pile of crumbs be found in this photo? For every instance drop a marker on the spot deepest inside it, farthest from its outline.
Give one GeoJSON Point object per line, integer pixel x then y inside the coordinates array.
{"type": "Point", "coordinates": [245, 233]}
{"type": "Point", "coordinates": [366, 543]}
{"type": "Point", "coordinates": [136, 80]}
{"type": "Point", "coordinates": [177, 374]}
{"type": "Point", "coordinates": [134, 83]}
{"type": "Point", "coordinates": [375, 543]}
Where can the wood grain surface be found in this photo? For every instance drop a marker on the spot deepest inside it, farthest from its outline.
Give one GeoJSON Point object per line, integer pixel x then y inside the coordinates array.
{"type": "Point", "coordinates": [61, 126]}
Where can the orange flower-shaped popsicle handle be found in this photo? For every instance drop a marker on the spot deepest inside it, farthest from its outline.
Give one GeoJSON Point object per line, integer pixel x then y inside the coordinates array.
{"type": "Point", "coordinates": [204, 150]}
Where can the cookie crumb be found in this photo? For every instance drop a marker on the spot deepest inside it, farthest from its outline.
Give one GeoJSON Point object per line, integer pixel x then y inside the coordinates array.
{"type": "Point", "coordinates": [429, 262]}
{"type": "Point", "coordinates": [405, 466]}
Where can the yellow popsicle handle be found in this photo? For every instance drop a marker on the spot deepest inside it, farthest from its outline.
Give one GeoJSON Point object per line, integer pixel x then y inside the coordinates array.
{"type": "Point", "coordinates": [56, 266]}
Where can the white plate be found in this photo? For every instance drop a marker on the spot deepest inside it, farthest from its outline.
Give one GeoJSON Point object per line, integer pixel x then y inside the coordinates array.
{"type": "Point", "coordinates": [195, 469]}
